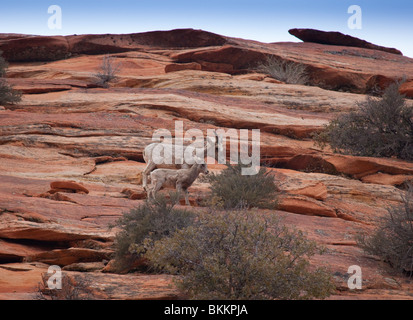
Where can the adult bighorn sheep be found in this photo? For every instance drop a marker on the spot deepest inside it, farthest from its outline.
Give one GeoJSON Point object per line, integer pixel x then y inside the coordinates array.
{"type": "Point", "coordinates": [169, 153]}
{"type": "Point", "coordinates": [180, 179]}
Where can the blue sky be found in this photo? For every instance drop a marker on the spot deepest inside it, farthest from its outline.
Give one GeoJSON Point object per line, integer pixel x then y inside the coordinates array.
{"type": "Point", "coordinates": [387, 23]}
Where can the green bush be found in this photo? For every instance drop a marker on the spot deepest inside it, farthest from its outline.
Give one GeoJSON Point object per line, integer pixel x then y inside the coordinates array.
{"type": "Point", "coordinates": [231, 189]}
{"type": "Point", "coordinates": [7, 94]}
{"type": "Point", "coordinates": [381, 127]}
{"type": "Point", "coordinates": [285, 71]}
{"type": "Point", "coordinates": [393, 238]}
{"type": "Point", "coordinates": [150, 221]}
{"type": "Point", "coordinates": [240, 255]}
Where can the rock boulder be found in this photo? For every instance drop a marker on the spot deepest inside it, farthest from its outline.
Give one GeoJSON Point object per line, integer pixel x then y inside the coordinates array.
{"type": "Point", "coordinates": [337, 38]}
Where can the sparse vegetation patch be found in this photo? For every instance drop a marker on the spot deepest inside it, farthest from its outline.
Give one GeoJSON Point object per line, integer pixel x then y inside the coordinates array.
{"type": "Point", "coordinates": [285, 71]}
{"type": "Point", "coordinates": [393, 237]}
{"type": "Point", "coordinates": [108, 71]}
{"type": "Point", "coordinates": [151, 220]}
{"type": "Point", "coordinates": [241, 255]}
{"type": "Point", "coordinates": [230, 189]}
{"type": "Point", "coordinates": [7, 94]}
{"type": "Point", "coordinates": [380, 127]}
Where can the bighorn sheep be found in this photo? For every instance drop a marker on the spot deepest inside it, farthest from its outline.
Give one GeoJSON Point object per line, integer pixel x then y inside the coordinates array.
{"type": "Point", "coordinates": [209, 146]}
{"type": "Point", "coordinates": [180, 179]}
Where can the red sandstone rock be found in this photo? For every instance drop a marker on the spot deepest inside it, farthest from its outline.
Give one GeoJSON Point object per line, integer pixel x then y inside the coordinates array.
{"type": "Point", "coordinates": [51, 232]}
{"type": "Point", "coordinates": [182, 66]}
{"type": "Point", "coordinates": [19, 281]}
{"type": "Point", "coordinates": [114, 267]}
{"type": "Point", "coordinates": [407, 89]}
{"type": "Point", "coordinates": [383, 178]}
{"type": "Point", "coordinates": [216, 67]}
{"type": "Point", "coordinates": [311, 162]}
{"type": "Point", "coordinates": [228, 55]}
{"type": "Point", "coordinates": [68, 185]}
{"type": "Point", "coordinates": [64, 257]}
{"type": "Point", "coordinates": [104, 159]}
{"type": "Point", "coordinates": [44, 48]}
{"type": "Point", "coordinates": [58, 196]}
{"type": "Point", "coordinates": [134, 195]}
{"type": "Point", "coordinates": [358, 167]}
{"type": "Point", "coordinates": [10, 251]}
{"type": "Point", "coordinates": [317, 191]}
{"type": "Point", "coordinates": [127, 287]}
{"type": "Point", "coordinates": [223, 54]}
{"type": "Point", "coordinates": [84, 266]}
{"type": "Point", "coordinates": [378, 83]}
{"type": "Point", "coordinates": [57, 190]}
{"type": "Point", "coordinates": [252, 76]}
{"type": "Point", "coordinates": [38, 86]}
{"type": "Point", "coordinates": [363, 166]}
{"type": "Point", "coordinates": [336, 38]}
{"type": "Point", "coordinates": [306, 206]}
{"type": "Point", "coordinates": [34, 48]}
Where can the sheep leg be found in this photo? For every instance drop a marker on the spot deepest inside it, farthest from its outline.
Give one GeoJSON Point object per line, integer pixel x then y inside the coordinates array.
{"type": "Point", "coordinates": [186, 197]}
{"type": "Point", "coordinates": [148, 193]}
{"type": "Point", "coordinates": [157, 185]}
{"type": "Point", "coordinates": [179, 190]}
{"type": "Point", "coordinates": [145, 174]}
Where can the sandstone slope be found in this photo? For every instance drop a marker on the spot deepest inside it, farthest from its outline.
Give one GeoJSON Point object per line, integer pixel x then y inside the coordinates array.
{"type": "Point", "coordinates": [71, 151]}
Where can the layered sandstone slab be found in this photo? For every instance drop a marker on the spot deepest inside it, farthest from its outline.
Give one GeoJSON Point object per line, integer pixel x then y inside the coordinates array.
{"type": "Point", "coordinates": [337, 38]}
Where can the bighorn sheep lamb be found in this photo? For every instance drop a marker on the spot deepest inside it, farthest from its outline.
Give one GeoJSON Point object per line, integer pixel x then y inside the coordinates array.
{"type": "Point", "coordinates": [151, 165]}
{"type": "Point", "coordinates": [180, 179]}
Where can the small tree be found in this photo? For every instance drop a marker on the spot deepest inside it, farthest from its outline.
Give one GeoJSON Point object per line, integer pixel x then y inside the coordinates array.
{"type": "Point", "coordinates": [393, 238]}
{"type": "Point", "coordinates": [241, 255]}
{"type": "Point", "coordinates": [108, 71]}
{"type": "Point", "coordinates": [231, 189]}
{"type": "Point", "coordinates": [285, 71]}
{"type": "Point", "coordinates": [381, 127]}
{"type": "Point", "coordinates": [151, 220]}
{"type": "Point", "coordinates": [7, 94]}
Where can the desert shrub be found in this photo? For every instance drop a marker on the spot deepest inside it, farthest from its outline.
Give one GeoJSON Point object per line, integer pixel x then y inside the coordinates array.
{"type": "Point", "coordinates": [381, 127]}
{"type": "Point", "coordinates": [285, 71]}
{"type": "Point", "coordinates": [72, 289]}
{"type": "Point", "coordinates": [3, 65]}
{"type": "Point", "coordinates": [393, 238]}
{"type": "Point", "coordinates": [7, 94]}
{"type": "Point", "coordinates": [151, 220]}
{"type": "Point", "coordinates": [231, 189]}
{"type": "Point", "coordinates": [108, 71]}
{"type": "Point", "coordinates": [240, 255]}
